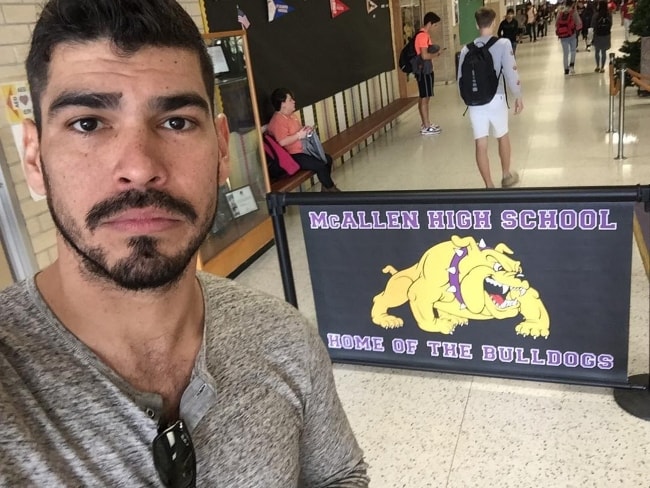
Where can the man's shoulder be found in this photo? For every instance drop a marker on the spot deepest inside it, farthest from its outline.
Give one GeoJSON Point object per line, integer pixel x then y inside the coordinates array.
{"type": "Point", "coordinates": [422, 37]}
{"type": "Point", "coordinates": [229, 302]}
{"type": "Point", "coordinates": [15, 301]}
{"type": "Point", "coordinates": [484, 40]}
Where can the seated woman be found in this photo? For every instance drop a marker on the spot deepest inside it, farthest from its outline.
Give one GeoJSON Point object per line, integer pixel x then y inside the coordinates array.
{"type": "Point", "coordinates": [289, 133]}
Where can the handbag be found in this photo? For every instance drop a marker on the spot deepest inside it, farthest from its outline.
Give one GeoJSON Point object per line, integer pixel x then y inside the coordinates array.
{"type": "Point", "coordinates": [311, 145]}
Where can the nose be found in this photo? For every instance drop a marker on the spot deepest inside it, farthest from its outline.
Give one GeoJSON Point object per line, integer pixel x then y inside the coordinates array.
{"type": "Point", "coordinates": [140, 159]}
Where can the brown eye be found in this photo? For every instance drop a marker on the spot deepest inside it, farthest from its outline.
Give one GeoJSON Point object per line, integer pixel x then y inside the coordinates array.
{"type": "Point", "coordinates": [86, 125]}
{"type": "Point", "coordinates": [178, 124]}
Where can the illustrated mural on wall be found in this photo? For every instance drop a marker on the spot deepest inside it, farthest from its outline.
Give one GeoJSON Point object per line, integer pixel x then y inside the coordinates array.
{"type": "Point", "coordinates": [459, 280]}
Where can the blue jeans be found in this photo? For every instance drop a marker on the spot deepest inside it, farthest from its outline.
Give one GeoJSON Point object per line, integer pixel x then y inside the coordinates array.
{"type": "Point", "coordinates": [569, 50]}
{"type": "Point", "coordinates": [601, 57]}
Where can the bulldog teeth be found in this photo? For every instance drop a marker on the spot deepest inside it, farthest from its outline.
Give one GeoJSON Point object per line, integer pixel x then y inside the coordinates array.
{"type": "Point", "coordinates": [504, 288]}
{"type": "Point", "coordinates": [506, 304]}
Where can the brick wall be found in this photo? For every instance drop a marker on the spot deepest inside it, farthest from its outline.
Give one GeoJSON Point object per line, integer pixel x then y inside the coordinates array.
{"type": "Point", "coordinates": [17, 18]}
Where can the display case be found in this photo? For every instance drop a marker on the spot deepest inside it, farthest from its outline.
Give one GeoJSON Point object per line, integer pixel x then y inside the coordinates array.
{"type": "Point", "coordinates": [242, 226]}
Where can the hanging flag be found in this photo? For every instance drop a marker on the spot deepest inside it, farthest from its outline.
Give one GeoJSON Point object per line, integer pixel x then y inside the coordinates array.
{"type": "Point", "coordinates": [337, 7]}
{"type": "Point", "coordinates": [242, 18]}
{"type": "Point", "coordinates": [370, 5]}
{"type": "Point", "coordinates": [277, 9]}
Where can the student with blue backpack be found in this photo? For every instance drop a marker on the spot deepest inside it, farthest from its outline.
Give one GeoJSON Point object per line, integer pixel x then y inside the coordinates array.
{"type": "Point", "coordinates": [481, 66]}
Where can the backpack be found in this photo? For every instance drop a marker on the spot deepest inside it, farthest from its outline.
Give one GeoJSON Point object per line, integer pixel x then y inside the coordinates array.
{"type": "Point", "coordinates": [603, 26]}
{"type": "Point", "coordinates": [478, 81]}
{"type": "Point", "coordinates": [565, 26]}
{"type": "Point", "coordinates": [278, 161]}
{"type": "Point", "coordinates": [409, 61]}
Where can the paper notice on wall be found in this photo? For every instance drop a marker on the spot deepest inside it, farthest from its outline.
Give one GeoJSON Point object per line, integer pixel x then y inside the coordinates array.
{"type": "Point", "coordinates": [18, 108]}
{"type": "Point", "coordinates": [17, 101]}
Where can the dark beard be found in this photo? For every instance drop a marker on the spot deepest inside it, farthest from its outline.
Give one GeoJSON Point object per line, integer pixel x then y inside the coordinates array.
{"type": "Point", "coordinates": [145, 268]}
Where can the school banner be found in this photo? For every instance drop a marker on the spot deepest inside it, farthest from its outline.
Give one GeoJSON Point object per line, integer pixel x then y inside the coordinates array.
{"type": "Point", "coordinates": [523, 290]}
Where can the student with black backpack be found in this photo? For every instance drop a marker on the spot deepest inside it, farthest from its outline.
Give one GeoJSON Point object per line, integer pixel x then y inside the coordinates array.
{"type": "Point", "coordinates": [602, 26]}
{"type": "Point", "coordinates": [425, 52]}
{"type": "Point", "coordinates": [481, 65]}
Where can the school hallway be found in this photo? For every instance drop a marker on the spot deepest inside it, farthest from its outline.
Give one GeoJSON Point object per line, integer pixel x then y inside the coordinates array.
{"type": "Point", "coordinates": [425, 429]}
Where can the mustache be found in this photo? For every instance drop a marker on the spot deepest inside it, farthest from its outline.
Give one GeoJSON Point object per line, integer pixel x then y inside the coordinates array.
{"type": "Point", "coordinates": [138, 199]}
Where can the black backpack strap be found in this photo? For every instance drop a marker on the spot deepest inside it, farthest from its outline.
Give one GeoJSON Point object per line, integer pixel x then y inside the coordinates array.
{"type": "Point", "coordinates": [491, 42]}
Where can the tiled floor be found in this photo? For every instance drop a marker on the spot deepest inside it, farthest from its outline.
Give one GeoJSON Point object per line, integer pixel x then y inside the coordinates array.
{"type": "Point", "coordinates": [422, 429]}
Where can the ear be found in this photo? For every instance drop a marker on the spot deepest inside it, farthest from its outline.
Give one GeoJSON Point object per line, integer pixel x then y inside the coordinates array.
{"type": "Point", "coordinates": [32, 159]}
{"type": "Point", "coordinates": [223, 138]}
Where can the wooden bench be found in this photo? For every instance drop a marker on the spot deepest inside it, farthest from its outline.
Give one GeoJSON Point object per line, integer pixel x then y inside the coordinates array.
{"type": "Point", "coordinates": [348, 139]}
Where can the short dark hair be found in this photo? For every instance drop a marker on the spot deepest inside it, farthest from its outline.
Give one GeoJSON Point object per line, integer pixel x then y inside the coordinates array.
{"type": "Point", "coordinates": [128, 25]}
{"type": "Point", "coordinates": [430, 18]}
{"type": "Point", "coordinates": [568, 3]}
{"type": "Point", "coordinates": [484, 17]}
{"type": "Point", "coordinates": [510, 11]}
{"type": "Point", "coordinates": [278, 96]}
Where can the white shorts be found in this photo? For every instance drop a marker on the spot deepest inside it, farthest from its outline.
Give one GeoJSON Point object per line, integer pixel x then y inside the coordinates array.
{"type": "Point", "coordinates": [493, 114]}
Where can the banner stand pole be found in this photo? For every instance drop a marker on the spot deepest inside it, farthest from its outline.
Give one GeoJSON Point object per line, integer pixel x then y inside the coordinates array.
{"type": "Point", "coordinates": [621, 114]}
{"type": "Point", "coordinates": [637, 402]}
{"type": "Point", "coordinates": [277, 207]}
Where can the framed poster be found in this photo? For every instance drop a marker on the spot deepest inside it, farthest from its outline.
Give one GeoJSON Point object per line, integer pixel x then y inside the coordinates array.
{"type": "Point", "coordinates": [241, 201]}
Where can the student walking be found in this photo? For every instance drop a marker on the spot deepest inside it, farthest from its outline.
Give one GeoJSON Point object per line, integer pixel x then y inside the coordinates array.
{"type": "Point", "coordinates": [493, 114]}
{"type": "Point", "coordinates": [566, 25]}
{"type": "Point", "coordinates": [531, 19]}
{"type": "Point", "coordinates": [627, 13]}
{"type": "Point", "coordinates": [602, 26]}
{"type": "Point", "coordinates": [509, 29]}
{"type": "Point", "coordinates": [427, 51]}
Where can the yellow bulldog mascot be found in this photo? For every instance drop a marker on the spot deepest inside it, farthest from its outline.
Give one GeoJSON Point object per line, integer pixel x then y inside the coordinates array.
{"type": "Point", "coordinates": [458, 280]}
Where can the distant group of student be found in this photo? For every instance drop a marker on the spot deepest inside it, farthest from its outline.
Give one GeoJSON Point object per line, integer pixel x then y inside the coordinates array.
{"type": "Point", "coordinates": [589, 20]}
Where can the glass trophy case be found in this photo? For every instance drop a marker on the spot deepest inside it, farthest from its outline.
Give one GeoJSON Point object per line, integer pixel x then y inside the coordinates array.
{"type": "Point", "coordinates": [242, 225]}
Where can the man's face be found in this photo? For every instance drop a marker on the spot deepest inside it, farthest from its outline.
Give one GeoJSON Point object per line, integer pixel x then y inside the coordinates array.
{"type": "Point", "coordinates": [434, 28]}
{"type": "Point", "coordinates": [129, 160]}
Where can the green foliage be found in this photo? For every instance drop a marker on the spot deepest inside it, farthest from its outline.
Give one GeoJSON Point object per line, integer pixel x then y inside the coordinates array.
{"type": "Point", "coordinates": [632, 54]}
{"type": "Point", "coordinates": [641, 27]}
{"type": "Point", "coordinates": [641, 19]}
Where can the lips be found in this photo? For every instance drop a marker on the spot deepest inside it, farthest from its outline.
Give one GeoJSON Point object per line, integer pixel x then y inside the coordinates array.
{"type": "Point", "coordinates": [143, 221]}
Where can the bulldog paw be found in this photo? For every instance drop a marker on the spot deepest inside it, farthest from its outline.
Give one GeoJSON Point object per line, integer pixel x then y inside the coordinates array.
{"type": "Point", "coordinates": [442, 326]}
{"type": "Point", "coordinates": [530, 329]}
{"type": "Point", "coordinates": [388, 321]}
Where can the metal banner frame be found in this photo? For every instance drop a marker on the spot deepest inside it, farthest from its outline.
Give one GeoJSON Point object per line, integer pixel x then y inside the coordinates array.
{"type": "Point", "coordinates": [634, 396]}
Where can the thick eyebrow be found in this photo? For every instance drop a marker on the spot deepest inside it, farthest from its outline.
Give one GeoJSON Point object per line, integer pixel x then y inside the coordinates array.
{"type": "Point", "coordinates": [169, 103]}
{"type": "Point", "coordinates": [166, 103]}
{"type": "Point", "coordinates": [83, 99]}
